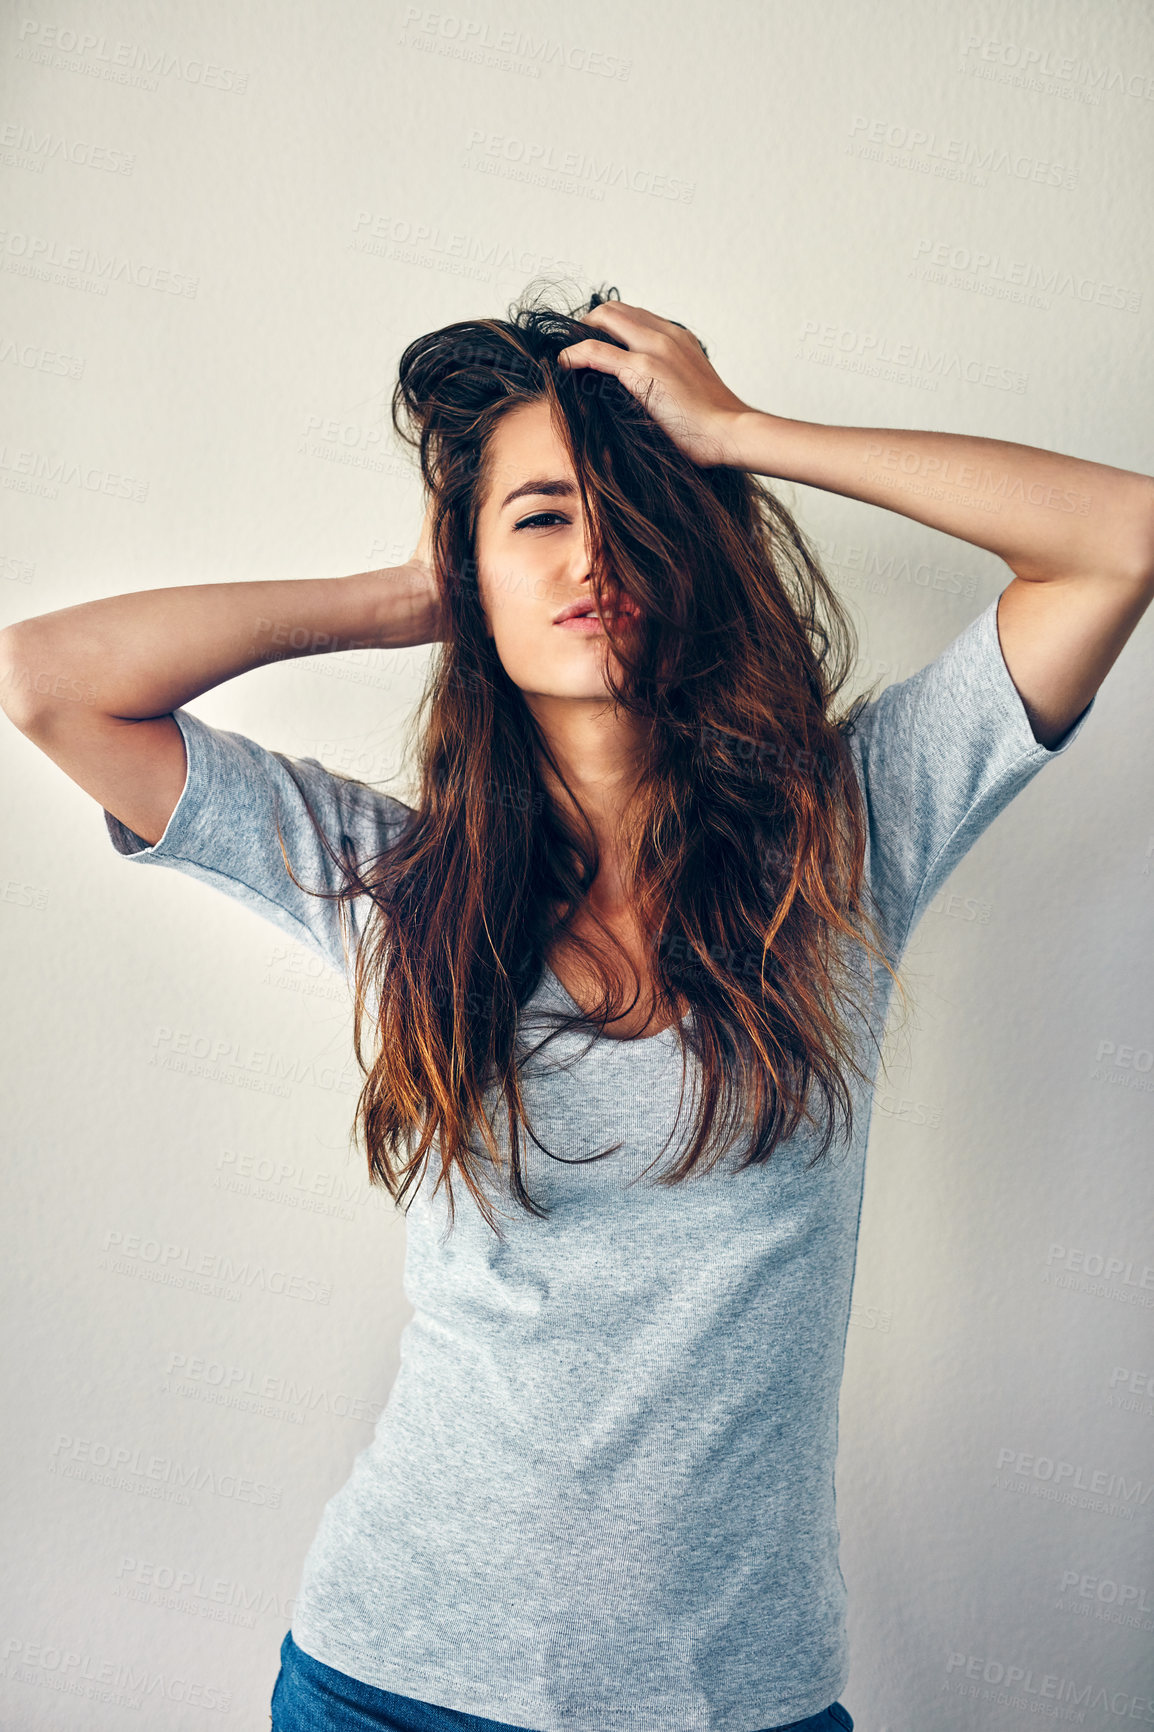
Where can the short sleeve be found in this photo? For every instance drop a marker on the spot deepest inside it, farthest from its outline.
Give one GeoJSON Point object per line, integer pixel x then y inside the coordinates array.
{"type": "Point", "coordinates": [939, 755]}
{"type": "Point", "coordinates": [223, 831]}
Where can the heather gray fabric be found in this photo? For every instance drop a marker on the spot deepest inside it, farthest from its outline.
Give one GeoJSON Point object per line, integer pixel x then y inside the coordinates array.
{"type": "Point", "coordinates": [601, 1494]}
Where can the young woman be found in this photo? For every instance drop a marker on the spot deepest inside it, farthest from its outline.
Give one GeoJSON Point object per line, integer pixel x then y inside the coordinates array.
{"type": "Point", "coordinates": [652, 897]}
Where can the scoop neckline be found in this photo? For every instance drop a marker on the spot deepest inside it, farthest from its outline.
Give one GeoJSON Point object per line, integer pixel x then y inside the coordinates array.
{"type": "Point", "coordinates": [615, 1039]}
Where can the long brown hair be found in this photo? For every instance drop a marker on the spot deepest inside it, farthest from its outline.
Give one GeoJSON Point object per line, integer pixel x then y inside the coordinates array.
{"type": "Point", "coordinates": [744, 844]}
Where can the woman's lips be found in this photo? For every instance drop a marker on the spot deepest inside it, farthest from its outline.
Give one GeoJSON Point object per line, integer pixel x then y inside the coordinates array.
{"type": "Point", "coordinates": [588, 625]}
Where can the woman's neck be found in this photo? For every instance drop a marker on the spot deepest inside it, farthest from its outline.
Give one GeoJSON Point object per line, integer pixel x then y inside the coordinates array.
{"type": "Point", "coordinates": [599, 755]}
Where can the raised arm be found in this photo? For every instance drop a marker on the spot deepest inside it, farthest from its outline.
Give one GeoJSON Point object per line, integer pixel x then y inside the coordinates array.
{"type": "Point", "coordinates": [1078, 536]}
{"type": "Point", "coordinates": [95, 685]}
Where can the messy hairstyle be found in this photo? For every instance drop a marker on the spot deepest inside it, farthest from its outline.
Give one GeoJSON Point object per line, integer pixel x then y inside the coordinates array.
{"type": "Point", "coordinates": [744, 843]}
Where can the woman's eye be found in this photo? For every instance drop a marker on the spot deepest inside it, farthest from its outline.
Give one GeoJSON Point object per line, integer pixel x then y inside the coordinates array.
{"type": "Point", "coordinates": [541, 517]}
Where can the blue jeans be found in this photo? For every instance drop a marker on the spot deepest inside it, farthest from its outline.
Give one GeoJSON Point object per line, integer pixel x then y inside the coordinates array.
{"type": "Point", "coordinates": [311, 1697]}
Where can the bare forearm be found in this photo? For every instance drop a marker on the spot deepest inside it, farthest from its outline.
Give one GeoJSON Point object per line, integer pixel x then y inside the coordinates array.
{"type": "Point", "coordinates": [146, 654]}
{"type": "Point", "coordinates": [1045, 514]}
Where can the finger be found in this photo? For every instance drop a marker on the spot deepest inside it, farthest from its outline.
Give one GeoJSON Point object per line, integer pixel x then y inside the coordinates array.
{"type": "Point", "coordinates": [620, 317]}
{"type": "Point", "coordinates": [594, 318]}
{"type": "Point", "coordinates": [603, 357]}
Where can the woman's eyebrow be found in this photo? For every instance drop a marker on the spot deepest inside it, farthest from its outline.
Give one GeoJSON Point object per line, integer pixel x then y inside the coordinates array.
{"type": "Point", "coordinates": [553, 489]}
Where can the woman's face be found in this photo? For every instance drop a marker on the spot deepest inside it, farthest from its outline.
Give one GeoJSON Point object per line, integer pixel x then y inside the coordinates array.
{"type": "Point", "coordinates": [533, 562]}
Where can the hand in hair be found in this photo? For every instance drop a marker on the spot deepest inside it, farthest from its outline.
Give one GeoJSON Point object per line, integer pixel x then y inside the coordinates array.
{"type": "Point", "coordinates": [423, 554]}
{"type": "Point", "coordinates": [666, 368]}
{"type": "Point", "coordinates": [426, 599]}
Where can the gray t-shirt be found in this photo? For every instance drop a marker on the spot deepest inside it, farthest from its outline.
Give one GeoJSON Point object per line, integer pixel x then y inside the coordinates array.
{"type": "Point", "coordinates": [601, 1494]}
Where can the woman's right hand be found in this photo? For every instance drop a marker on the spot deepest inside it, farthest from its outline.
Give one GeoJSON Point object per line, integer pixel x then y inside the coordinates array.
{"type": "Point", "coordinates": [424, 549]}
{"type": "Point", "coordinates": [427, 594]}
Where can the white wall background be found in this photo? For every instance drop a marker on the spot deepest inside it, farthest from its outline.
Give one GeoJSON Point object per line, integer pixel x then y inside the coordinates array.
{"type": "Point", "coordinates": [873, 214]}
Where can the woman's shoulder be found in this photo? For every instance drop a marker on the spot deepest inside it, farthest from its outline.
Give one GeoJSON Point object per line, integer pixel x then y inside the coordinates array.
{"type": "Point", "coordinates": [274, 830]}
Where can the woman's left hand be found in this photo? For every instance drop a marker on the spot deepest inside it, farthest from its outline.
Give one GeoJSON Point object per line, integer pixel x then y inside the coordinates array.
{"type": "Point", "coordinates": [667, 370]}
